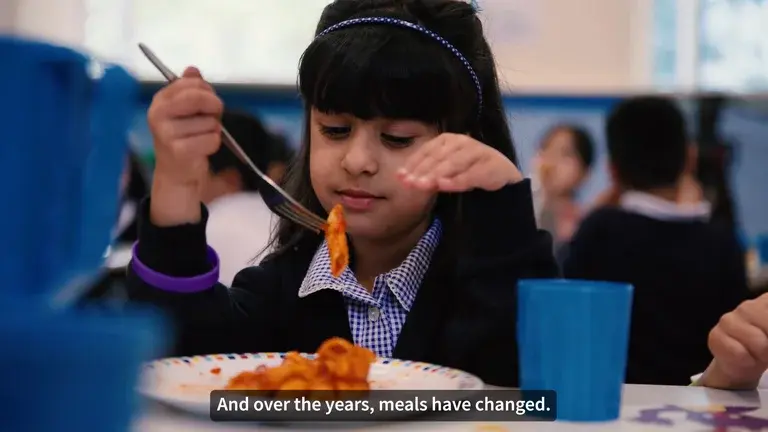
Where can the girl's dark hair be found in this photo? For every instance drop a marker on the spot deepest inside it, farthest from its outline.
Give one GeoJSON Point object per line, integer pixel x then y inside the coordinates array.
{"type": "Point", "coordinates": [380, 70]}
{"type": "Point", "coordinates": [582, 141]}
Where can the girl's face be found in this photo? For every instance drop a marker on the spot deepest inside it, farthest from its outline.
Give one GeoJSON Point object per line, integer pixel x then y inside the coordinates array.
{"type": "Point", "coordinates": [354, 162]}
{"type": "Point", "coordinates": [560, 168]}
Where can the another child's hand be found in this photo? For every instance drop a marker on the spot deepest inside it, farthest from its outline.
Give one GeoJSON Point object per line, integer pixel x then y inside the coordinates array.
{"type": "Point", "coordinates": [457, 163]}
{"type": "Point", "coordinates": [739, 344]}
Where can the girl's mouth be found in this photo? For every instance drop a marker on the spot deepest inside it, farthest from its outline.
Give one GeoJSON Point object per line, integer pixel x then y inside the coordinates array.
{"type": "Point", "coordinates": [357, 199]}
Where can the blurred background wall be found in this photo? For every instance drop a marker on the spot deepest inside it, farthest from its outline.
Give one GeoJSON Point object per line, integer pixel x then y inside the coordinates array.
{"type": "Point", "coordinates": [560, 61]}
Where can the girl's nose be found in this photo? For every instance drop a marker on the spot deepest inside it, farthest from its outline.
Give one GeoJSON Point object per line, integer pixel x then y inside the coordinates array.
{"type": "Point", "coordinates": [361, 157]}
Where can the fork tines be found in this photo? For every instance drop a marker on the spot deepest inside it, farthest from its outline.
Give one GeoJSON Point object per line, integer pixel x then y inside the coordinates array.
{"type": "Point", "coordinates": [300, 216]}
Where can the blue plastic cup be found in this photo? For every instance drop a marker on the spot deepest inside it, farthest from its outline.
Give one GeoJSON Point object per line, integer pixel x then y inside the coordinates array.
{"type": "Point", "coordinates": [573, 338]}
{"type": "Point", "coordinates": [73, 370]}
{"type": "Point", "coordinates": [63, 143]}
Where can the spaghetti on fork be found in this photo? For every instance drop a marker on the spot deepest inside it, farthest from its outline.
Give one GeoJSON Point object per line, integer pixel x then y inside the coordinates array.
{"type": "Point", "coordinates": [336, 237]}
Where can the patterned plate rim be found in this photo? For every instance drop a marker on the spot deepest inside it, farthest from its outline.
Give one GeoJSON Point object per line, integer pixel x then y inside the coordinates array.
{"type": "Point", "coordinates": [467, 380]}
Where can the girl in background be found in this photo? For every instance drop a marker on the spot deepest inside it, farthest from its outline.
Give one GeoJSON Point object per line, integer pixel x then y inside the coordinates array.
{"type": "Point", "coordinates": [561, 167]}
{"type": "Point", "coordinates": [404, 127]}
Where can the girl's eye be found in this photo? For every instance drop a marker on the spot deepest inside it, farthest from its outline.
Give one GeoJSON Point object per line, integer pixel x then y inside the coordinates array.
{"type": "Point", "coordinates": [335, 132]}
{"type": "Point", "coordinates": [396, 141]}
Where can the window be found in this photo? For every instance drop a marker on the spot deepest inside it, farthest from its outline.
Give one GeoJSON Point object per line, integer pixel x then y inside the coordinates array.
{"type": "Point", "coordinates": [665, 43]}
{"type": "Point", "coordinates": [250, 41]}
{"type": "Point", "coordinates": [711, 45]}
{"type": "Point", "coordinates": [733, 45]}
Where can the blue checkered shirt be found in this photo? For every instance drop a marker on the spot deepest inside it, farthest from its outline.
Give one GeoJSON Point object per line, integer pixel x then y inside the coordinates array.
{"type": "Point", "coordinates": [376, 318]}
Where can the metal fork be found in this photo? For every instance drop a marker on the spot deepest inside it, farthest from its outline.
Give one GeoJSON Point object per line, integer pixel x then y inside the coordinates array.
{"type": "Point", "coordinates": [274, 196]}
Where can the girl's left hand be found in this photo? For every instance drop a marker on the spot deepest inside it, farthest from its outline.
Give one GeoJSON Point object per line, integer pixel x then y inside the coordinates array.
{"type": "Point", "coordinates": [458, 163]}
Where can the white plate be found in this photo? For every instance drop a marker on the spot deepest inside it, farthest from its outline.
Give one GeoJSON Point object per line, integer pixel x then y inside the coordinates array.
{"type": "Point", "coordinates": [186, 382]}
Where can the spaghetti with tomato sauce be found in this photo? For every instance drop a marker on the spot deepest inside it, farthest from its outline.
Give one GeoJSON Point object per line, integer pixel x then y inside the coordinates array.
{"type": "Point", "coordinates": [339, 369]}
{"type": "Point", "coordinates": [336, 238]}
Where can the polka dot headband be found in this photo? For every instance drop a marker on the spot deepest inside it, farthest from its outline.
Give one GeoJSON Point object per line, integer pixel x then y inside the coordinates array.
{"type": "Point", "coordinates": [420, 29]}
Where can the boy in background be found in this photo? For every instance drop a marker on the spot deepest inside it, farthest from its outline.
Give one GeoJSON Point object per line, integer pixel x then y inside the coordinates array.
{"type": "Point", "coordinates": [686, 272]}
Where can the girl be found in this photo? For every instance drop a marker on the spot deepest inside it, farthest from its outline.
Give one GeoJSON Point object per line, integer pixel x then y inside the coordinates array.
{"type": "Point", "coordinates": [405, 128]}
{"type": "Point", "coordinates": [563, 164]}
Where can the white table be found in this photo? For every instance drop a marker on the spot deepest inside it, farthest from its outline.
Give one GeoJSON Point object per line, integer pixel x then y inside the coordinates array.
{"type": "Point", "coordinates": [637, 398]}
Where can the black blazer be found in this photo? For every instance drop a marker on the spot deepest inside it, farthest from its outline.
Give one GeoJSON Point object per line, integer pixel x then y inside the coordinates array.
{"type": "Point", "coordinates": [686, 275]}
{"type": "Point", "coordinates": [463, 315]}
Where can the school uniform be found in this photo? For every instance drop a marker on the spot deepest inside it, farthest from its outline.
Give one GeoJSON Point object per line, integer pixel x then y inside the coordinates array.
{"type": "Point", "coordinates": [453, 306]}
{"type": "Point", "coordinates": [686, 272]}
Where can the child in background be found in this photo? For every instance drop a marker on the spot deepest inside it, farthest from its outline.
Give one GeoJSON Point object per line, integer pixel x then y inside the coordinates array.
{"type": "Point", "coordinates": [404, 127]}
{"type": "Point", "coordinates": [686, 271]}
{"type": "Point", "coordinates": [239, 222]}
{"type": "Point", "coordinates": [562, 165]}
{"type": "Point", "coordinates": [689, 191]}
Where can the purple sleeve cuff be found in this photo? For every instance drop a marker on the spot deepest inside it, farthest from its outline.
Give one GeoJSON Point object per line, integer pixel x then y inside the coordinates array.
{"type": "Point", "coordinates": [177, 284]}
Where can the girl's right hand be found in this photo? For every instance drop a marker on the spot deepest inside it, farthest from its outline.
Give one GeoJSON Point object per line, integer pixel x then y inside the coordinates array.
{"type": "Point", "coordinates": [739, 345]}
{"type": "Point", "coordinates": [184, 119]}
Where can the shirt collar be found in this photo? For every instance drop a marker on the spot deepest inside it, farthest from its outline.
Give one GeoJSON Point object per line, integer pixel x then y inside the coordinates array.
{"type": "Point", "coordinates": [657, 208]}
{"type": "Point", "coordinates": [403, 281]}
